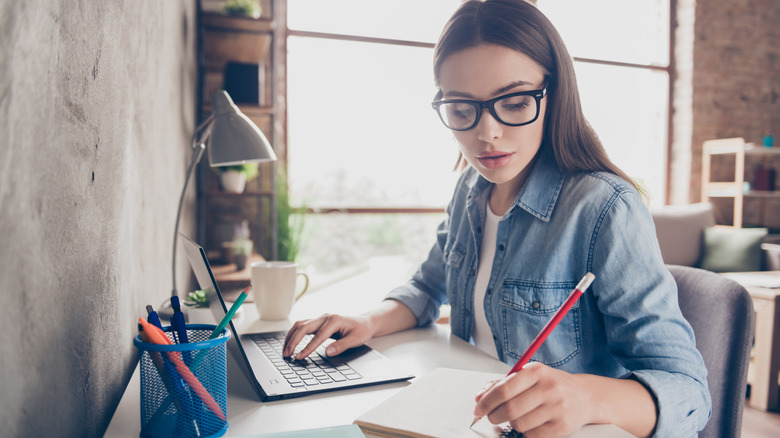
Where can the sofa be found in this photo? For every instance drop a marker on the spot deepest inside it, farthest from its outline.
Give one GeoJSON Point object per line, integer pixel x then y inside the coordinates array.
{"type": "Point", "coordinates": [688, 236]}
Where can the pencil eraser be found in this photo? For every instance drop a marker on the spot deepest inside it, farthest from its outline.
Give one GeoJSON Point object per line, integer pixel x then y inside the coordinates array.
{"type": "Point", "coordinates": [585, 282]}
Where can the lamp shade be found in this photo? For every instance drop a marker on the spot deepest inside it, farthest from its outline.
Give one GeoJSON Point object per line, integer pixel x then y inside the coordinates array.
{"type": "Point", "coordinates": [235, 139]}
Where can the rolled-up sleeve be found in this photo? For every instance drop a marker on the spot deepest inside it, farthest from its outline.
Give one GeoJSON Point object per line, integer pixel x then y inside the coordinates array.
{"type": "Point", "coordinates": [682, 404]}
{"type": "Point", "coordinates": [426, 291]}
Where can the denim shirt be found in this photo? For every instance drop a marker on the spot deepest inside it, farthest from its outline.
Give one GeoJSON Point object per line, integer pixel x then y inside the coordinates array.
{"type": "Point", "coordinates": [627, 325]}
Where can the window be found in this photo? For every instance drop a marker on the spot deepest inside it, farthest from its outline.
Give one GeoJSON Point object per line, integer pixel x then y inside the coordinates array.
{"type": "Point", "coordinates": [622, 60]}
{"type": "Point", "coordinates": [363, 141]}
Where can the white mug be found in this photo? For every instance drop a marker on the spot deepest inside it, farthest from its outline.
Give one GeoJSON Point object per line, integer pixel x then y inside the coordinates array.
{"type": "Point", "coordinates": [274, 285]}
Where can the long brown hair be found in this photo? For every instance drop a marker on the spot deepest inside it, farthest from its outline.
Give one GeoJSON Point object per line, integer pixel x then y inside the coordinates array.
{"type": "Point", "coordinates": [520, 26]}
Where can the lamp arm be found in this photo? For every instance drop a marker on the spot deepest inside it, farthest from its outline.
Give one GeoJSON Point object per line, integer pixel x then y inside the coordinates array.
{"type": "Point", "coordinates": [197, 143]}
{"type": "Point", "coordinates": [196, 136]}
{"type": "Point", "coordinates": [196, 156]}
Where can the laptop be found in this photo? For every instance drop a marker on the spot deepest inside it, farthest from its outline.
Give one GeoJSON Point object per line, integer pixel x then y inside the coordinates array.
{"type": "Point", "coordinates": [275, 377]}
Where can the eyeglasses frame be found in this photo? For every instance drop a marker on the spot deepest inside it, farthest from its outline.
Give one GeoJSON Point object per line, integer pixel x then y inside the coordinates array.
{"type": "Point", "coordinates": [490, 105]}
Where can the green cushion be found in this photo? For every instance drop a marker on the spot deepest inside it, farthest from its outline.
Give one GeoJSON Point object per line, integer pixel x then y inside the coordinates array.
{"type": "Point", "coordinates": [732, 249]}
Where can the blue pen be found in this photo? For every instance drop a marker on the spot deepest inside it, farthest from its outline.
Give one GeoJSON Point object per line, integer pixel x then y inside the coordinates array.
{"type": "Point", "coordinates": [180, 332]}
{"type": "Point", "coordinates": [178, 320]}
{"type": "Point", "coordinates": [152, 317]}
{"type": "Point", "coordinates": [180, 327]}
{"type": "Point", "coordinates": [178, 387]}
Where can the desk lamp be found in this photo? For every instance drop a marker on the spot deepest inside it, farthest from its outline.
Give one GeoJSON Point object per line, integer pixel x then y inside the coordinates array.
{"type": "Point", "coordinates": [233, 140]}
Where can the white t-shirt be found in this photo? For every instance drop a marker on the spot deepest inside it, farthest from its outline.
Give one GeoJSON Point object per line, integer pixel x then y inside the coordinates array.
{"type": "Point", "coordinates": [483, 336]}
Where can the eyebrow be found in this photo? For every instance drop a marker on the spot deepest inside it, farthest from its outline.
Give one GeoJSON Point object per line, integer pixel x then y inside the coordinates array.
{"type": "Point", "coordinates": [496, 92]}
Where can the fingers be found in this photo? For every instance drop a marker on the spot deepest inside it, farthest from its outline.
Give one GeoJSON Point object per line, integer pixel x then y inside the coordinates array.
{"type": "Point", "coordinates": [324, 332]}
{"type": "Point", "coordinates": [538, 401]}
{"type": "Point", "coordinates": [350, 332]}
{"type": "Point", "coordinates": [485, 389]}
{"type": "Point", "coordinates": [298, 331]}
{"type": "Point", "coordinates": [502, 391]}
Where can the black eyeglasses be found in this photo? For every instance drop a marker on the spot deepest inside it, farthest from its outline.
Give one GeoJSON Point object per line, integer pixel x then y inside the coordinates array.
{"type": "Point", "coordinates": [513, 109]}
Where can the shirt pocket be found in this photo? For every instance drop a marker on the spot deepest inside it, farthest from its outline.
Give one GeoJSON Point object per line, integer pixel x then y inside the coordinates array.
{"type": "Point", "coordinates": [526, 307]}
{"type": "Point", "coordinates": [454, 256]}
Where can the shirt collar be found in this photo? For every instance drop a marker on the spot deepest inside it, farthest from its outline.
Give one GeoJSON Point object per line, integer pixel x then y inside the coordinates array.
{"type": "Point", "coordinates": [541, 191]}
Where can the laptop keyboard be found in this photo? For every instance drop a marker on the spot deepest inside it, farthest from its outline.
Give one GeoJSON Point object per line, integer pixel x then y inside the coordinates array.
{"type": "Point", "coordinates": [317, 369]}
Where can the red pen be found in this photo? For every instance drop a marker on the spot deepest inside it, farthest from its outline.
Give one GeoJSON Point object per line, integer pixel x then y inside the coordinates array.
{"type": "Point", "coordinates": [582, 286]}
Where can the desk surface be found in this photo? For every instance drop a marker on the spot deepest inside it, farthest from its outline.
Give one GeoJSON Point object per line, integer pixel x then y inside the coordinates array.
{"type": "Point", "coordinates": [420, 350]}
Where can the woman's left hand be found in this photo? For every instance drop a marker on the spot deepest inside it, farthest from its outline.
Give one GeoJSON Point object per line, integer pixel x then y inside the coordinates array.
{"type": "Point", "coordinates": [538, 401]}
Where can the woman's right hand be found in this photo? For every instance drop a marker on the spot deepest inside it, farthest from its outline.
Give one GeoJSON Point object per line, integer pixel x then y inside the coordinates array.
{"type": "Point", "coordinates": [349, 332]}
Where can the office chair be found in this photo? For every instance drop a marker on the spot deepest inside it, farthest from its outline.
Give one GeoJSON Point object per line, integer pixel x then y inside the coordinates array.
{"type": "Point", "coordinates": [722, 316]}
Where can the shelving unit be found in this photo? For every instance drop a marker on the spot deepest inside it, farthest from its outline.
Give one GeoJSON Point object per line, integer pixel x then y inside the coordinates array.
{"type": "Point", "coordinates": [242, 56]}
{"type": "Point", "coordinates": [735, 188]}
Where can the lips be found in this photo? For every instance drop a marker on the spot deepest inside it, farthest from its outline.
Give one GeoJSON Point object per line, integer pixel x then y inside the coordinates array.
{"type": "Point", "coordinates": [494, 159]}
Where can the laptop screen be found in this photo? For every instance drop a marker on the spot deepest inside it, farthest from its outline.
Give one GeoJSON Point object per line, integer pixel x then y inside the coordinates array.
{"type": "Point", "coordinates": [205, 278]}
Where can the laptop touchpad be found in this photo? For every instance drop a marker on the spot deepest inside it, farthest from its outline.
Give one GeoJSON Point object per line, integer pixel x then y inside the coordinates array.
{"type": "Point", "coordinates": [355, 356]}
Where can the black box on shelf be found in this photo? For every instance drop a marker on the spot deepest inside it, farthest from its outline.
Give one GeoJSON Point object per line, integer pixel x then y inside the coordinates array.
{"type": "Point", "coordinates": [242, 82]}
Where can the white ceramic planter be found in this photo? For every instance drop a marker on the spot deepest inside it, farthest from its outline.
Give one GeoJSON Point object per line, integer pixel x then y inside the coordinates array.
{"type": "Point", "coordinates": [232, 181]}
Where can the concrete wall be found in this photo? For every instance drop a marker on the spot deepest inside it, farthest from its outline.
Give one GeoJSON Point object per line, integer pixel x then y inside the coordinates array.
{"type": "Point", "coordinates": [96, 109]}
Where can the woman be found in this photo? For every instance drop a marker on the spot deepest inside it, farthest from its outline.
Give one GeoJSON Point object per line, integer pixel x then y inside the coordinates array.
{"type": "Point", "coordinates": [538, 205]}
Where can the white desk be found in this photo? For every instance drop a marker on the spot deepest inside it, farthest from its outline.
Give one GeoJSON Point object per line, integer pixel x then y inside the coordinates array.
{"type": "Point", "coordinates": [420, 350]}
{"type": "Point", "coordinates": [764, 370]}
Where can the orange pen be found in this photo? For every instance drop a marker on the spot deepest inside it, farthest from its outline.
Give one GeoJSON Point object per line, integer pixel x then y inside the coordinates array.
{"type": "Point", "coordinates": [157, 336]}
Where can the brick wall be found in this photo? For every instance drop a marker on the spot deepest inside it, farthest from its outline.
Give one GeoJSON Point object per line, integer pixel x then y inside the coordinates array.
{"type": "Point", "coordinates": [731, 76]}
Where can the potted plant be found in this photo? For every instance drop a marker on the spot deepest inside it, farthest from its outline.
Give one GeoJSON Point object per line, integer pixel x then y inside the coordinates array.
{"type": "Point", "coordinates": [243, 8]}
{"type": "Point", "coordinates": [241, 246]}
{"type": "Point", "coordinates": [242, 250]}
{"type": "Point", "coordinates": [233, 179]}
{"type": "Point", "coordinates": [289, 222]}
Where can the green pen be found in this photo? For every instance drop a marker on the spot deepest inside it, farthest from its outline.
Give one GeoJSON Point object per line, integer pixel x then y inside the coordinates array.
{"type": "Point", "coordinates": [230, 313]}
{"type": "Point", "coordinates": [222, 324]}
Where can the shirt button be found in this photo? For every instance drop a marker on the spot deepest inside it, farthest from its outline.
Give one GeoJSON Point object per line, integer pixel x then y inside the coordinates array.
{"type": "Point", "coordinates": [489, 291]}
{"type": "Point", "coordinates": [479, 230]}
{"type": "Point", "coordinates": [501, 247]}
{"type": "Point", "coordinates": [536, 305]}
{"type": "Point", "coordinates": [466, 312]}
{"type": "Point", "coordinates": [471, 272]}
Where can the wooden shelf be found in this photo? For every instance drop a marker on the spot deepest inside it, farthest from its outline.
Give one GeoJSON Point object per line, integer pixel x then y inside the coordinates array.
{"type": "Point", "coordinates": [217, 21]}
{"type": "Point", "coordinates": [730, 192]}
{"type": "Point", "coordinates": [244, 194]}
{"type": "Point", "coordinates": [732, 189]}
{"type": "Point", "coordinates": [735, 145]}
{"type": "Point", "coordinates": [242, 44]}
{"type": "Point", "coordinates": [248, 110]}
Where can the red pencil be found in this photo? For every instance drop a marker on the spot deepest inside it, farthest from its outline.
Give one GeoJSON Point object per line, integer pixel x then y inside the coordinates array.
{"type": "Point", "coordinates": [582, 286]}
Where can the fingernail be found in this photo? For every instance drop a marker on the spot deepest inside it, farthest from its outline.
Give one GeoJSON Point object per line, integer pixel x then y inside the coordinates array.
{"type": "Point", "coordinates": [330, 351]}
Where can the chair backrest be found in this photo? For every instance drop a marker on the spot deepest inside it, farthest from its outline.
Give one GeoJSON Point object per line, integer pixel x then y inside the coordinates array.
{"type": "Point", "coordinates": [722, 316]}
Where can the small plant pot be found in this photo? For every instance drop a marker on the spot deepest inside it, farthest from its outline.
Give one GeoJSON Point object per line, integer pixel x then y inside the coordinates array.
{"type": "Point", "coordinates": [240, 260]}
{"type": "Point", "coordinates": [232, 181]}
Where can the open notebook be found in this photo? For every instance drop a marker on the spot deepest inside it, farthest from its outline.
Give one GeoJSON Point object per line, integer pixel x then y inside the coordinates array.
{"type": "Point", "coordinates": [441, 404]}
